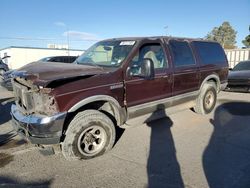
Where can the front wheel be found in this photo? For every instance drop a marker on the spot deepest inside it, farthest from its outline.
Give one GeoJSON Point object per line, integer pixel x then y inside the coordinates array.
{"type": "Point", "coordinates": [90, 134]}
{"type": "Point", "coordinates": [206, 100]}
{"type": "Point", "coordinates": [1, 75]}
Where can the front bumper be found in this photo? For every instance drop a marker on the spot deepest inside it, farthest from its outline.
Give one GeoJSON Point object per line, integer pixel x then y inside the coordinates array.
{"type": "Point", "coordinates": [7, 84]}
{"type": "Point", "coordinates": [38, 129]}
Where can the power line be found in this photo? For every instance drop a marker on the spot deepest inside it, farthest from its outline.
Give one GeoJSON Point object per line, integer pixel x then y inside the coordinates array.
{"type": "Point", "coordinates": [44, 39]}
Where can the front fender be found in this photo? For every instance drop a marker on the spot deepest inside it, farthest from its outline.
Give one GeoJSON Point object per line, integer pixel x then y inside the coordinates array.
{"type": "Point", "coordinates": [119, 112]}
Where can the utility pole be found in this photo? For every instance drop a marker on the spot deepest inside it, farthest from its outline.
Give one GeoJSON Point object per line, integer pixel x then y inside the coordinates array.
{"type": "Point", "coordinates": [68, 39]}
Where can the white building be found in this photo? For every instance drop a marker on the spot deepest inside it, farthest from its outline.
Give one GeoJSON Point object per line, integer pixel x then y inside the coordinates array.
{"type": "Point", "coordinates": [16, 57]}
{"type": "Point", "coordinates": [234, 56]}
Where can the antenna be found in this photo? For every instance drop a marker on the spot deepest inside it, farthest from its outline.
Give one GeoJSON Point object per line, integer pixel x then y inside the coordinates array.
{"type": "Point", "coordinates": [166, 28]}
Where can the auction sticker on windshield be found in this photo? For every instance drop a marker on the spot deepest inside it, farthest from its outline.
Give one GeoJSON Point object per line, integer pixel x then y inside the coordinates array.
{"type": "Point", "coordinates": [127, 43]}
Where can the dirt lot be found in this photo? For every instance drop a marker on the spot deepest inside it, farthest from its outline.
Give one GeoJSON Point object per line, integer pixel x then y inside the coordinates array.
{"type": "Point", "coordinates": [184, 150]}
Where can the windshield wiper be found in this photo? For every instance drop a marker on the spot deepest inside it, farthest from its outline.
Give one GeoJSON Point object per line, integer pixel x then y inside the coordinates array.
{"type": "Point", "coordinates": [91, 64]}
{"type": "Point", "coordinates": [87, 63]}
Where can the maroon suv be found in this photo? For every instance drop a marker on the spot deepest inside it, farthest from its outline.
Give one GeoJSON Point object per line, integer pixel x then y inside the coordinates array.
{"type": "Point", "coordinates": [80, 105]}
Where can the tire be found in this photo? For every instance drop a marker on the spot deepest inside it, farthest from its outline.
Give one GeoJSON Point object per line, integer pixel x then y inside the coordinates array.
{"type": "Point", "coordinates": [90, 134]}
{"type": "Point", "coordinates": [1, 75]}
{"type": "Point", "coordinates": [2, 71]}
{"type": "Point", "coordinates": [206, 100]}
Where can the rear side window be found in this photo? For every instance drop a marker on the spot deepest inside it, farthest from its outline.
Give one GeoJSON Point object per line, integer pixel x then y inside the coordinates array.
{"type": "Point", "coordinates": [72, 59]}
{"type": "Point", "coordinates": [182, 54]}
{"type": "Point", "coordinates": [210, 52]}
{"type": "Point", "coordinates": [56, 59]}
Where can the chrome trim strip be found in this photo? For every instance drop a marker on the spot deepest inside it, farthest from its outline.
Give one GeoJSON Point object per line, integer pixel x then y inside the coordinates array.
{"type": "Point", "coordinates": [152, 106]}
{"type": "Point", "coordinates": [93, 99]}
{"type": "Point", "coordinates": [211, 69]}
{"type": "Point", "coordinates": [90, 88]}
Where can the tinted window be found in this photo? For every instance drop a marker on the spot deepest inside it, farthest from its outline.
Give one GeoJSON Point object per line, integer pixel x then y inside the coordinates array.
{"type": "Point", "coordinates": [72, 59]}
{"type": "Point", "coordinates": [210, 52]}
{"type": "Point", "coordinates": [56, 59]}
{"type": "Point", "coordinates": [66, 59]}
{"type": "Point", "coordinates": [243, 65]}
{"type": "Point", "coordinates": [182, 54]}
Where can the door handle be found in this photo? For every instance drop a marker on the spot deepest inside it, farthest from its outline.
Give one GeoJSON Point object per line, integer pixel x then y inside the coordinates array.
{"type": "Point", "coordinates": [168, 77]}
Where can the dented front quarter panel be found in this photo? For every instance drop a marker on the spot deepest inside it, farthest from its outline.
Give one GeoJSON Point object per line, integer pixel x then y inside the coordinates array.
{"type": "Point", "coordinates": [71, 93]}
{"type": "Point", "coordinates": [31, 99]}
{"type": "Point", "coordinates": [39, 80]}
{"type": "Point", "coordinates": [59, 95]}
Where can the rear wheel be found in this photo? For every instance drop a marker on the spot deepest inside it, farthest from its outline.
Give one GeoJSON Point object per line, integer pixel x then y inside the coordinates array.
{"type": "Point", "coordinates": [206, 100]}
{"type": "Point", "coordinates": [90, 134]}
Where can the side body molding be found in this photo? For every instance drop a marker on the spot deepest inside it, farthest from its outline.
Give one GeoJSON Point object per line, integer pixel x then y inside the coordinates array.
{"type": "Point", "coordinates": [119, 112]}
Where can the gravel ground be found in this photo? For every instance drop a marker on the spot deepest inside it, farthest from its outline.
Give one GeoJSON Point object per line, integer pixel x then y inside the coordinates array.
{"type": "Point", "coordinates": [184, 150]}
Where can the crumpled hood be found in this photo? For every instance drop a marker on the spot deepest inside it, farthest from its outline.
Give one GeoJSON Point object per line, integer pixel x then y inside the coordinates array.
{"type": "Point", "coordinates": [44, 73]}
{"type": "Point", "coordinates": [245, 74]}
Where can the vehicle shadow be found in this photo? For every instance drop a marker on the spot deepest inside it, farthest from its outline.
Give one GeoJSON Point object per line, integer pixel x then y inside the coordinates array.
{"type": "Point", "coordinates": [6, 181]}
{"type": "Point", "coordinates": [163, 168]}
{"type": "Point", "coordinates": [226, 159]}
{"type": "Point", "coordinates": [7, 139]}
{"type": "Point", "coordinates": [5, 111]}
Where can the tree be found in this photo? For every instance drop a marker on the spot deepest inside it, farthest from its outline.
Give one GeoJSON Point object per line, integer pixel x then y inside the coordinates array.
{"type": "Point", "coordinates": [246, 42]}
{"type": "Point", "coordinates": [224, 34]}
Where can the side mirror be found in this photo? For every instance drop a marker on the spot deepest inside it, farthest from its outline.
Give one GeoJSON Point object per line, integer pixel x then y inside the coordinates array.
{"type": "Point", "coordinates": [133, 70]}
{"type": "Point", "coordinates": [147, 68]}
{"type": "Point", "coordinates": [144, 70]}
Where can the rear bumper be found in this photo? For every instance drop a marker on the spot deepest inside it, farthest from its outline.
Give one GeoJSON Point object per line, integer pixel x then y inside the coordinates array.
{"type": "Point", "coordinates": [38, 129]}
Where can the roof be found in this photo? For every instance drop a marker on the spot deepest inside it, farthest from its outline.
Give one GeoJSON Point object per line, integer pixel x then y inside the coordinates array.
{"type": "Point", "coordinates": [158, 37]}
{"type": "Point", "coordinates": [24, 47]}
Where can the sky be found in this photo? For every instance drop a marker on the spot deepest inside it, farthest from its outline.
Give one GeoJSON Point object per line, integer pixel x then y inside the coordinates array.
{"type": "Point", "coordinates": [36, 23]}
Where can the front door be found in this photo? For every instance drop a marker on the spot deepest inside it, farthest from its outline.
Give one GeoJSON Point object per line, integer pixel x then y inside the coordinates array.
{"type": "Point", "coordinates": [140, 91]}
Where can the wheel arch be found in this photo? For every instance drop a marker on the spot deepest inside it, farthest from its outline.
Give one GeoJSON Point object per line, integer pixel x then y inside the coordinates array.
{"type": "Point", "coordinates": [212, 78]}
{"type": "Point", "coordinates": [104, 103]}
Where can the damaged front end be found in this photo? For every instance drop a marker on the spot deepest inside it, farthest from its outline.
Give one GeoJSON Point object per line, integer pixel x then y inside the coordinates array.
{"type": "Point", "coordinates": [35, 114]}
{"type": "Point", "coordinates": [32, 99]}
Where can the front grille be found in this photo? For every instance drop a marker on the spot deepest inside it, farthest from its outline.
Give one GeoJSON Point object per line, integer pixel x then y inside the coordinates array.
{"type": "Point", "coordinates": [23, 96]}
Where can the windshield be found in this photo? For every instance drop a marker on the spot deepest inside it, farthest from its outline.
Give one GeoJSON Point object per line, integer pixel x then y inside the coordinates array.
{"type": "Point", "coordinates": [106, 53]}
{"type": "Point", "coordinates": [45, 59]}
{"type": "Point", "coordinates": [244, 65]}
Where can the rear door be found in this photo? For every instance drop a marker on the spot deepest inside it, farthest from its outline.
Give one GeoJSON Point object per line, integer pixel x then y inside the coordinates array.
{"type": "Point", "coordinates": [186, 74]}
